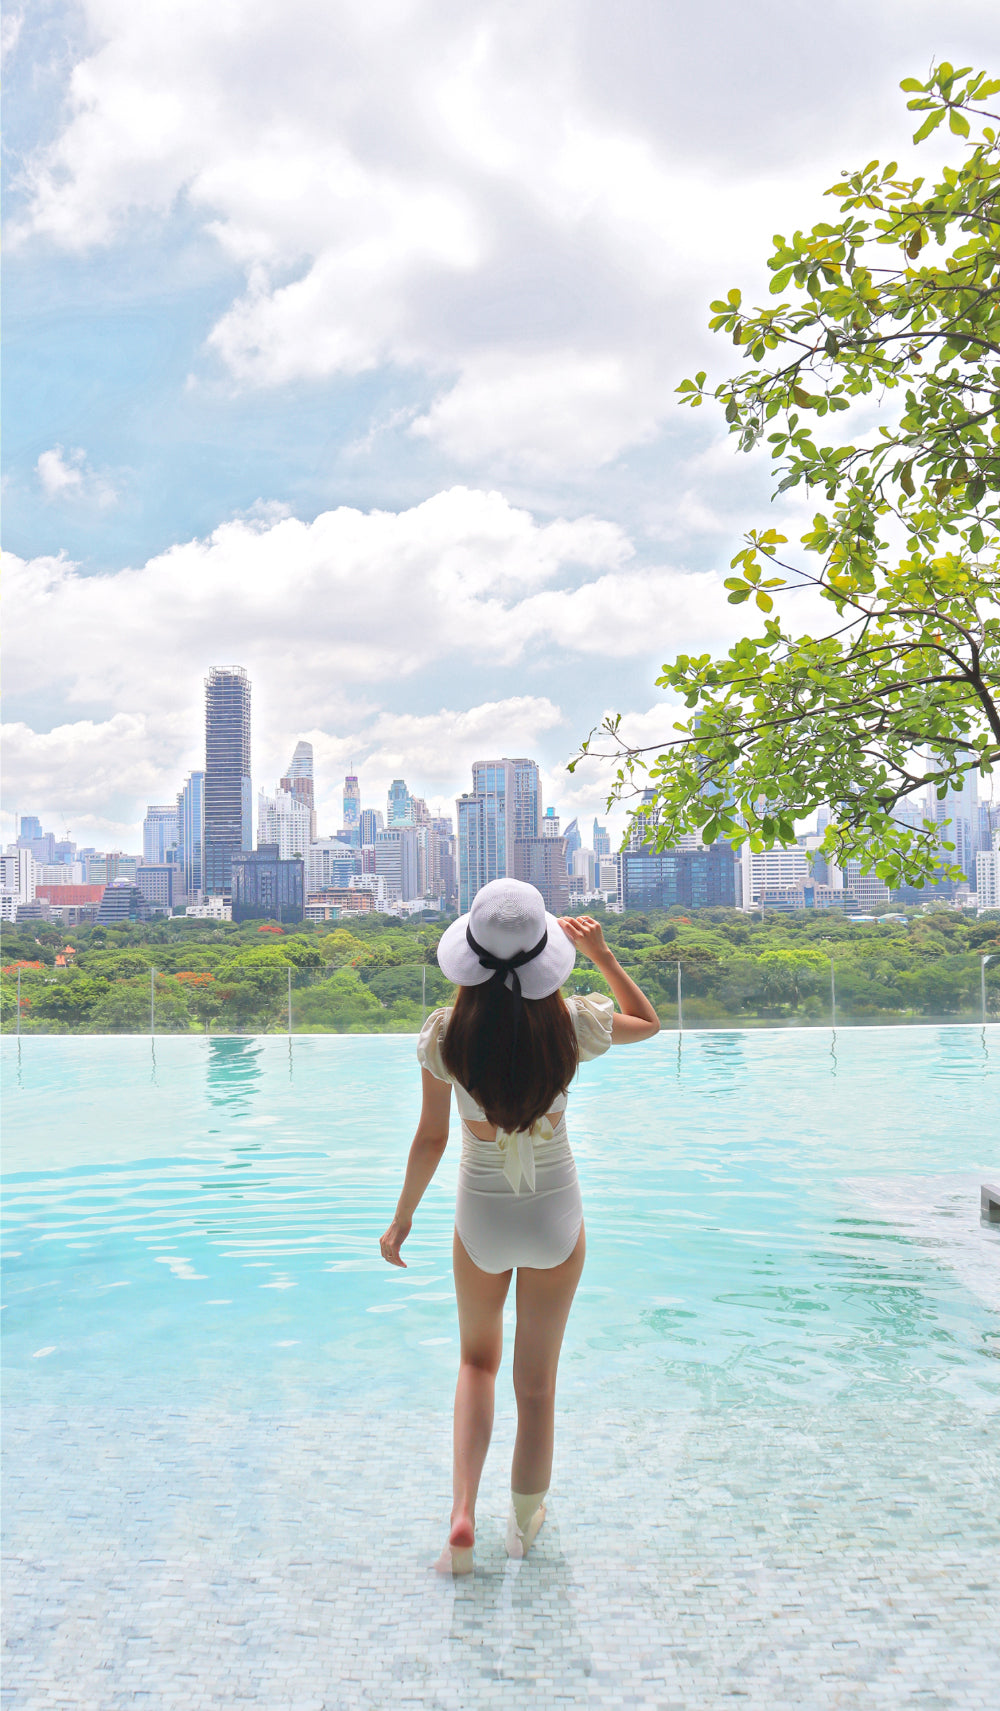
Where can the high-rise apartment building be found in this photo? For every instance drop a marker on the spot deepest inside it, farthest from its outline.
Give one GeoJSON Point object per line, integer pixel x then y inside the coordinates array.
{"type": "Point", "coordinates": [447, 865]}
{"type": "Point", "coordinates": [397, 862]}
{"type": "Point", "coordinates": [550, 824]}
{"type": "Point", "coordinates": [228, 795]}
{"type": "Point", "coordinates": [17, 880]}
{"type": "Point", "coordinates": [541, 862]}
{"type": "Point", "coordinates": [574, 840]}
{"type": "Point", "coordinates": [159, 832]}
{"type": "Point", "coordinates": [287, 821]}
{"type": "Point", "coordinates": [957, 816]}
{"type": "Point", "coordinates": [191, 832]}
{"type": "Point", "coordinates": [503, 807]}
{"type": "Point", "coordinates": [526, 800]}
{"type": "Point", "coordinates": [988, 876]}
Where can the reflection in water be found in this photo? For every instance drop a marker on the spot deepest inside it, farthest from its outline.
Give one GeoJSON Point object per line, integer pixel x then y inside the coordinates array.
{"type": "Point", "coordinates": [234, 1067]}
{"type": "Point", "coordinates": [833, 1051]}
{"type": "Point", "coordinates": [152, 1058]}
{"type": "Point", "coordinates": [724, 1054]}
{"type": "Point", "coordinates": [289, 1057]}
{"type": "Point", "coordinates": [680, 1046]}
{"type": "Point", "coordinates": [496, 1611]}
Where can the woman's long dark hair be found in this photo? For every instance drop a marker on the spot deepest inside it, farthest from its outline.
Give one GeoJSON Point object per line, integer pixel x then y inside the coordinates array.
{"type": "Point", "coordinates": [476, 1050]}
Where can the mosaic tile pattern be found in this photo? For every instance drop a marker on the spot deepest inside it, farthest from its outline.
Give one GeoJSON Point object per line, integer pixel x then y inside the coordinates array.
{"type": "Point", "coordinates": [847, 1556]}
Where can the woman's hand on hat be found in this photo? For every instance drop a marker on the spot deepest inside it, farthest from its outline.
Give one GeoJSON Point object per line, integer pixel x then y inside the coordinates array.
{"type": "Point", "coordinates": [587, 935]}
{"type": "Point", "coordinates": [392, 1241]}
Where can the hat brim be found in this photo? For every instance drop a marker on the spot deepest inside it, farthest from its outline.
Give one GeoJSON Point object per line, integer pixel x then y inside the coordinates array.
{"type": "Point", "coordinates": [545, 974]}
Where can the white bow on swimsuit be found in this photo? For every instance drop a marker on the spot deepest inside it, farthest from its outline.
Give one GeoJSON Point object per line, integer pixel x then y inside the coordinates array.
{"type": "Point", "coordinates": [518, 1152]}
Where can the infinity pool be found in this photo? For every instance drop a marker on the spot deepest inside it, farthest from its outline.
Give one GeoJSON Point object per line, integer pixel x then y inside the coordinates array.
{"type": "Point", "coordinates": [768, 1214]}
{"type": "Point", "coordinates": [228, 1421]}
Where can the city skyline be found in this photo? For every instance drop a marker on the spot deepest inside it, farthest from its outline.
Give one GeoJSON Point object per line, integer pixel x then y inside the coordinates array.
{"type": "Point", "coordinates": [422, 473]}
{"type": "Point", "coordinates": [200, 850]}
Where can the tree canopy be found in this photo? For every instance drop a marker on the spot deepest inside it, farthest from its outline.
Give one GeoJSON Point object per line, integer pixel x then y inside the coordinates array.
{"type": "Point", "coordinates": [889, 322]}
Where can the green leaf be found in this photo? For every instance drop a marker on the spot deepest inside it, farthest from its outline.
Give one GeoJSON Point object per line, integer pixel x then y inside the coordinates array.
{"type": "Point", "coordinates": [930, 124]}
{"type": "Point", "coordinates": [958, 122]}
{"type": "Point", "coordinates": [976, 538]}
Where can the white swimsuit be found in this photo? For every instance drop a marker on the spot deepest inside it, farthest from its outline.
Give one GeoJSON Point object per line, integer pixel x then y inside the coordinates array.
{"type": "Point", "coordinates": [518, 1195]}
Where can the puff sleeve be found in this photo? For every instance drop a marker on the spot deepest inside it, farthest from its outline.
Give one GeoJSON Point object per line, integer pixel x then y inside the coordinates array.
{"type": "Point", "coordinates": [593, 1014]}
{"type": "Point", "coordinates": [429, 1044]}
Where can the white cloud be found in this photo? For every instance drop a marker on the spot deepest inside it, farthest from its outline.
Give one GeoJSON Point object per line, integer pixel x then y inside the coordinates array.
{"type": "Point", "coordinates": [10, 33]}
{"type": "Point", "coordinates": [67, 475]}
{"type": "Point", "coordinates": [324, 615]}
{"type": "Point", "coordinates": [527, 207]}
{"type": "Point", "coordinates": [540, 413]}
{"type": "Point", "coordinates": [350, 599]}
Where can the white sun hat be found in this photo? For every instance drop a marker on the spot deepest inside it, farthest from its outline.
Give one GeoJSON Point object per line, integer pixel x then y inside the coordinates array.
{"type": "Point", "coordinates": [507, 930]}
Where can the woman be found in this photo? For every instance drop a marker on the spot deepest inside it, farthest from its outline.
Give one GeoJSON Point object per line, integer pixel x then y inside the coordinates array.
{"type": "Point", "coordinates": [510, 1046]}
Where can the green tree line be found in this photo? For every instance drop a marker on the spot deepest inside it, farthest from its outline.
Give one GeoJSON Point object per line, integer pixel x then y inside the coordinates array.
{"type": "Point", "coordinates": [378, 975]}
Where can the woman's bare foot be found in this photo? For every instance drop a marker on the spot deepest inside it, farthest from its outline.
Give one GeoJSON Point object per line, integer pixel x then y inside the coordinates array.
{"type": "Point", "coordinates": [456, 1558]}
{"type": "Point", "coordinates": [520, 1542]}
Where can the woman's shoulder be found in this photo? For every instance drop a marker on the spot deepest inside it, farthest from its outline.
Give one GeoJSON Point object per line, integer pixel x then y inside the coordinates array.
{"type": "Point", "coordinates": [593, 1014]}
{"type": "Point", "coordinates": [429, 1043]}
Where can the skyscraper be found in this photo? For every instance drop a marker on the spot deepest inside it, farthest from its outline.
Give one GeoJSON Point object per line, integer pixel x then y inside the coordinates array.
{"type": "Point", "coordinates": [399, 809]}
{"type": "Point", "coordinates": [526, 804]}
{"type": "Point", "coordinates": [961, 808]}
{"type": "Point", "coordinates": [159, 832]}
{"type": "Point", "coordinates": [228, 798]}
{"type": "Point", "coordinates": [573, 839]}
{"type": "Point", "coordinates": [352, 803]}
{"type": "Point", "coordinates": [601, 840]}
{"type": "Point", "coordinates": [298, 782]}
{"type": "Point", "coordinates": [504, 806]}
{"type": "Point", "coordinates": [397, 862]}
{"type": "Point", "coordinates": [370, 821]}
{"type": "Point", "coordinates": [191, 832]}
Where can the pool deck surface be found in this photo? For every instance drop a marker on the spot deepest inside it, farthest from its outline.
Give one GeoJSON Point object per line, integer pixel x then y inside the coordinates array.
{"type": "Point", "coordinates": [787, 1556]}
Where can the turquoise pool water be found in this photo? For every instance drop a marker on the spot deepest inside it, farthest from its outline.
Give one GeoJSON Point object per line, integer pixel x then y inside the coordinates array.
{"type": "Point", "coordinates": [771, 1216]}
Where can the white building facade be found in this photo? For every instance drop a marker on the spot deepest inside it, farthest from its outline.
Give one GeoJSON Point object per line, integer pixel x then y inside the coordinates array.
{"type": "Point", "coordinates": [285, 820]}
{"type": "Point", "coordinates": [17, 881]}
{"type": "Point", "coordinates": [988, 877]}
{"type": "Point", "coordinates": [787, 865]}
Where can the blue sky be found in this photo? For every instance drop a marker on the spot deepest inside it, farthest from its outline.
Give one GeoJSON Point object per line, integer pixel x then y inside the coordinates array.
{"type": "Point", "coordinates": [342, 344]}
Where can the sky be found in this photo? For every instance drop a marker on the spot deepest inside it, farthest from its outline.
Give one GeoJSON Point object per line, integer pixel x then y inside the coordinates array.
{"type": "Point", "coordinates": [342, 344]}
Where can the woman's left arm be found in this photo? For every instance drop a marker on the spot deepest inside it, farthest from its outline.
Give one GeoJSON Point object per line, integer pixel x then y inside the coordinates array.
{"type": "Point", "coordinates": [426, 1152]}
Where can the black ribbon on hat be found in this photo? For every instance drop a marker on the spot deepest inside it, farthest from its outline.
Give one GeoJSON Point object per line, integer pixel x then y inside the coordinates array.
{"type": "Point", "coordinates": [502, 967]}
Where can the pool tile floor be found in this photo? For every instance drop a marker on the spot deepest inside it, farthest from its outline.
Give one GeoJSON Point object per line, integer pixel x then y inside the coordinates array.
{"type": "Point", "coordinates": [841, 1556]}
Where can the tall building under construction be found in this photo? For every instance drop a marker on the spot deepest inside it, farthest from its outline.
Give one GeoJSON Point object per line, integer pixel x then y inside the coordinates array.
{"type": "Point", "coordinates": [228, 796]}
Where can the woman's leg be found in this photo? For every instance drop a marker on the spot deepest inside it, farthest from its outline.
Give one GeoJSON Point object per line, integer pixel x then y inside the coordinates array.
{"type": "Point", "coordinates": [481, 1296]}
{"type": "Point", "coordinates": [544, 1299]}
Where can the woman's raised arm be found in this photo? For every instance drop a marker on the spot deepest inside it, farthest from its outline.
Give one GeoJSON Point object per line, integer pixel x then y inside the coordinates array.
{"type": "Point", "coordinates": [638, 1020]}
